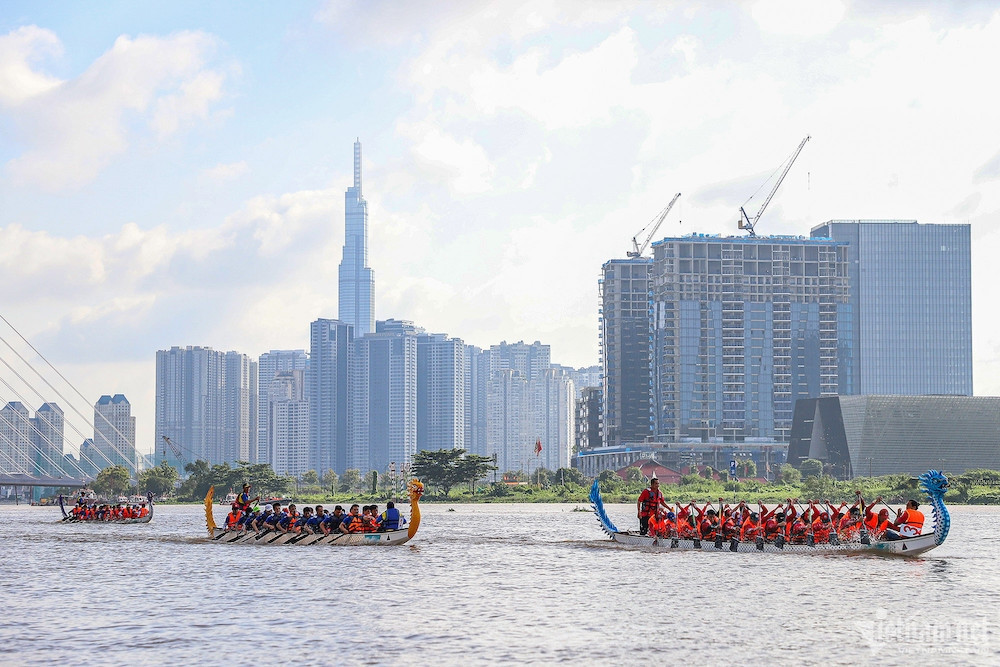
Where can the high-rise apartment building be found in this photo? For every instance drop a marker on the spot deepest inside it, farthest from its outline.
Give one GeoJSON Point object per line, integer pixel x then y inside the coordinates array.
{"type": "Point", "coordinates": [357, 279]}
{"type": "Point", "coordinates": [114, 431]}
{"type": "Point", "coordinates": [911, 292]}
{"type": "Point", "coordinates": [625, 334]}
{"type": "Point", "coordinates": [269, 365]}
{"type": "Point", "coordinates": [15, 439]}
{"type": "Point", "coordinates": [441, 377]}
{"type": "Point", "coordinates": [552, 406]}
{"type": "Point", "coordinates": [508, 422]}
{"type": "Point", "coordinates": [206, 403]}
{"type": "Point", "coordinates": [529, 360]}
{"type": "Point", "coordinates": [47, 439]}
{"type": "Point", "coordinates": [741, 328]}
{"type": "Point", "coordinates": [328, 391]}
{"type": "Point", "coordinates": [588, 419]}
{"type": "Point", "coordinates": [385, 398]}
{"type": "Point", "coordinates": [477, 384]}
{"type": "Point", "coordinates": [286, 442]}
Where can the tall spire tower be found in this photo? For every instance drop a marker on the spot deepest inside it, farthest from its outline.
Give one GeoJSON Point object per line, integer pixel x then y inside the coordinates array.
{"type": "Point", "coordinates": [357, 279]}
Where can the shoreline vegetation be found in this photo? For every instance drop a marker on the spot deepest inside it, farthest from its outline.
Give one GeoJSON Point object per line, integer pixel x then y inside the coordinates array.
{"type": "Point", "coordinates": [452, 476]}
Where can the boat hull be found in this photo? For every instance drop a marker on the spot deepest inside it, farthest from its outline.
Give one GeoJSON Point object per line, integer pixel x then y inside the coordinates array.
{"type": "Point", "coordinates": [388, 538]}
{"type": "Point", "coordinates": [910, 546]}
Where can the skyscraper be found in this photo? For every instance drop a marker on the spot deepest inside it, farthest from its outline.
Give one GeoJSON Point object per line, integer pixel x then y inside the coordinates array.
{"type": "Point", "coordinates": [357, 279]}
{"type": "Point", "coordinates": [47, 437]}
{"type": "Point", "coordinates": [440, 392]}
{"type": "Point", "coordinates": [287, 439]}
{"type": "Point", "coordinates": [15, 439]}
{"type": "Point", "coordinates": [625, 332]}
{"type": "Point", "coordinates": [552, 405]}
{"type": "Point", "coordinates": [742, 327]}
{"type": "Point", "coordinates": [385, 398]}
{"type": "Point", "coordinates": [911, 291]}
{"type": "Point", "coordinates": [114, 431]}
{"type": "Point", "coordinates": [269, 365]}
{"type": "Point", "coordinates": [206, 403]}
{"type": "Point", "coordinates": [329, 392]}
{"type": "Point", "coordinates": [477, 384]}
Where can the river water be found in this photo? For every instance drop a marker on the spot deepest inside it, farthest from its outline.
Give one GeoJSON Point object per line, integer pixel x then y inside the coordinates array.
{"type": "Point", "coordinates": [482, 584]}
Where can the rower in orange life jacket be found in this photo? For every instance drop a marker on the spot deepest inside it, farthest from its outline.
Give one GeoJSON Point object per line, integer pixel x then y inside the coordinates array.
{"type": "Point", "coordinates": [658, 525]}
{"type": "Point", "coordinates": [233, 517]}
{"type": "Point", "coordinates": [751, 528]}
{"type": "Point", "coordinates": [710, 525]}
{"type": "Point", "coordinates": [353, 522]}
{"type": "Point", "coordinates": [908, 523]}
{"type": "Point", "coordinates": [687, 528]}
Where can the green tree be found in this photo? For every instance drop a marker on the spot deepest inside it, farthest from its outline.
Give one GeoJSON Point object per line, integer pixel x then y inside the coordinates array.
{"type": "Point", "coordinates": [789, 475]}
{"type": "Point", "coordinates": [634, 475]}
{"type": "Point", "coordinates": [811, 468]}
{"type": "Point", "coordinates": [330, 481]}
{"type": "Point", "coordinates": [350, 481]}
{"type": "Point", "coordinates": [373, 481]}
{"type": "Point", "coordinates": [439, 468]}
{"type": "Point", "coordinates": [310, 478]}
{"type": "Point", "coordinates": [746, 468]}
{"type": "Point", "coordinates": [707, 472]}
{"type": "Point", "coordinates": [570, 476]}
{"type": "Point", "coordinates": [113, 480]}
{"type": "Point", "coordinates": [472, 467]}
{"type": "Point", "coordinates": [609, 481]}
{"type": "Point", "coordinates": [158, 480]}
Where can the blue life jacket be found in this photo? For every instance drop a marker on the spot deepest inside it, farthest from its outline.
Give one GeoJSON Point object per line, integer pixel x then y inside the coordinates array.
{"type": "Point", "coordinates": [390, 519]}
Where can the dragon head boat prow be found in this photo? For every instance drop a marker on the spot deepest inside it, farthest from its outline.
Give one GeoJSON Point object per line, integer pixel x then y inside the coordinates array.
{"type": "Point", "coordinates": [934, 485]}
{"type": "Point", "coordinates": [416, 489]}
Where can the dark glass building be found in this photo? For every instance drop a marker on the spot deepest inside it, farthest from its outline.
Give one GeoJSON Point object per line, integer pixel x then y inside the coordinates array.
{"type": "Point", "coordinates": [882, 435]}
{"type": "Point", "coordinates": [911, 291]}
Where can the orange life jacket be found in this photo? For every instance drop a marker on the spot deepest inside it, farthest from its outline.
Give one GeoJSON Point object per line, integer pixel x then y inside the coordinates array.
{"type": "Point", "coordinates": [708, 530]}
{"type": "Point", "coordinates": [657, 527]}
{"type": "Point", "coordinates": [354, 523]}
{"type": "Point", "coordinates": [914, 519]}
{"type": "Point", "coordinates": [687, 531]}
{"type": "Point", "coordinates": [821, 531]}
{"type": "Point", "coordinates": [750, 530]}
{"type": "Point", "coordinates": [232, 518]}
{"type": "Point", "coordinates": [143, 512]}
{"type": "Point", "coordinates": [650, 500]}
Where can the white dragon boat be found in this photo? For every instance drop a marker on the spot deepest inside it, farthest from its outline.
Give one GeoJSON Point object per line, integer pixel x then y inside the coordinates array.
{"type": "Point", "coordinates": [69, 518]}
{"type": "Point", "coordinates": [387, 538]}
{"type": "Point", "coordinates": [932, 483]}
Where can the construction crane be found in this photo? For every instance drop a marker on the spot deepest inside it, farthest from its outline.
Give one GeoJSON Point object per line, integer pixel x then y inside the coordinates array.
{"type": "Point", "coordinates": [637, 250]}
{"type": "Point", "coordinates": [174, 448]}
{"type": "Point", "coordinates": [745, 221]}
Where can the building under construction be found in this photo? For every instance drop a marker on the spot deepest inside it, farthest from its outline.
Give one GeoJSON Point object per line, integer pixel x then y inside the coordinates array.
{"type": "Point", "coordinates": [741, 327]}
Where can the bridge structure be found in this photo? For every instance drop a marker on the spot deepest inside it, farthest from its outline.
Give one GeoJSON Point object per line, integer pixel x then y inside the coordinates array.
{"type": "Point", "coordinates": [21, 479]}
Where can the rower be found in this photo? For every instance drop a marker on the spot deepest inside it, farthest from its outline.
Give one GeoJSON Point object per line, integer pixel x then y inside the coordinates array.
{"type": "Point", "coordinates": [908, 523]}
{"type": "Point", "coordinates": [331, 522]}
{"type": "Point", "coordinates": [352, 523]}
{"type": "Point", "coordinates": [390, 519]}
{"type": "Point", "coordinates": [244, 500]}
{"type": "Point", "coordinates": [233, 518]}
{"type": "Point", "coordinates": [658, 525]}
{"type": "Point", "coordinates": [649, 501]}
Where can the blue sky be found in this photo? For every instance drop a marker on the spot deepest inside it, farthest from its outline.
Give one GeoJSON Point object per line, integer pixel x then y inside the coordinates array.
{"type": "Point", "coordinates": [173, 173]}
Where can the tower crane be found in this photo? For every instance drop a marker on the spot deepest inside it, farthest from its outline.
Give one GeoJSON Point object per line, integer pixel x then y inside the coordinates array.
{"type": "Point", "coordinates": [745, 221]}
{"type": "Point", "coordinates": [637, 250]}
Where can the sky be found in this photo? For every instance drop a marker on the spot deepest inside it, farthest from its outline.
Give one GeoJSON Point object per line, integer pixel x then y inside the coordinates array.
{"type": "Point", "coordinates": [174, 173]}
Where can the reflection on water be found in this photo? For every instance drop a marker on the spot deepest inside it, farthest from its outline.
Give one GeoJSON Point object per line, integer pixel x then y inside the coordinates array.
{"type": "Point", "coordinates": [482, 583]}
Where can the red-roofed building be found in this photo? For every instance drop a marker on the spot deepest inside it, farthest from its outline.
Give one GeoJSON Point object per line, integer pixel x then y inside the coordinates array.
{"type": "Point", "coordinates": [650, 468]}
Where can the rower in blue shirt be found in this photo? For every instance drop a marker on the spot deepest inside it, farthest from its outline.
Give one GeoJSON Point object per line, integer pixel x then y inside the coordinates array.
{"type": "Point", "coordinates": [390, 519]}
{"type": "Point", "coordinates": [331, 522]}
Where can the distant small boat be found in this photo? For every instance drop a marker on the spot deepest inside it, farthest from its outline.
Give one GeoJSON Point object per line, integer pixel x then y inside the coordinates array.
{"type": "Point", "coordinates": [229, 499]}
{"type": "Point", "coordinates": [147, 500]}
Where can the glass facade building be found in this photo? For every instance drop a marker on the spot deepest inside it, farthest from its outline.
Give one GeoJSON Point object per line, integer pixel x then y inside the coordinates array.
{"type": "Point", "coordinates": [742, 327]}
{"type": "Point", "coordinates": [886, 435]}
{"type": "Point", "coordinates": [357, 279]}
{"type": "Point", "coordinates": [328, 391]}
{"type": "Point", "coordinates": [624, 335]}
{"type": "Point", "coordinates": [911, 290]}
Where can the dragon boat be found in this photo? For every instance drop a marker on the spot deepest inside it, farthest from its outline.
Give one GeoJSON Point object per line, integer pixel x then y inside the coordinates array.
{"type": "Point", "coordinates": [932, 483]}
{"type": "Point", "coordinates": [273, 537]}
{"type": "Point", "coordinates": [69, 518]}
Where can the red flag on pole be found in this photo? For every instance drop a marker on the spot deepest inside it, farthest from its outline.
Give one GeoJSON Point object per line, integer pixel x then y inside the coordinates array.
{"type": "Point", "coordinates": [538, 447]}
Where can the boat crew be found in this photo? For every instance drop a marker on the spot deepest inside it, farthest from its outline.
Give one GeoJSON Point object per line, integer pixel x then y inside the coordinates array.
{"type": "Point", "coordinates": [233, 518]}
{"type": "Point", "coordinates": [331, 522]}
{"type": "Point", "coordinates": [658, 524]}
{"type": "Point", "coordinates": [649, 501]}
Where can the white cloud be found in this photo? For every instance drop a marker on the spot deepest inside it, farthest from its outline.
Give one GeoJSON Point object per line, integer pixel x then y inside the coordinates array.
{"type": "Point", "coordinates": [74, 128]}
{"type": "Point", "coordinates": [227, 172]}
{"type": "Point", "coordinates": [18, 48]}
{"type": "Point", "coordinates": [798, 18]}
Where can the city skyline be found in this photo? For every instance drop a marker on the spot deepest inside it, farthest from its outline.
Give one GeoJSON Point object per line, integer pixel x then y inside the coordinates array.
{"type": "Point", "coordinates": [173, 175]}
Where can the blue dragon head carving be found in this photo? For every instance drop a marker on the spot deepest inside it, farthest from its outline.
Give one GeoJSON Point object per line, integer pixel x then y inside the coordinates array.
{"type": "Point", "coordinates": [933, 483]}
